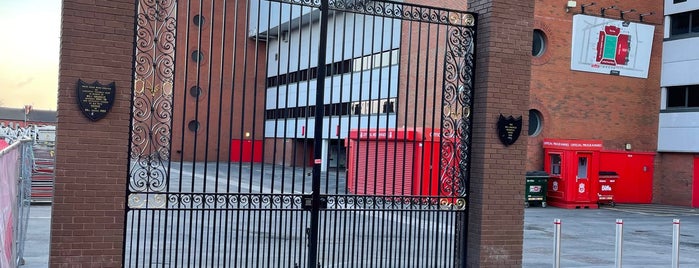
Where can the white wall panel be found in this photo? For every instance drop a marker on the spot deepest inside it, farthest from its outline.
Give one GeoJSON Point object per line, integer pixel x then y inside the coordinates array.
{"type": "Point", "coordinates": [680, 62]}
{"type": "Point", "coordinates": [345, 88]}
{"type": "Point", "coordinates": [671, 8]}
{"type": "Point", "coordinates": [349, 36]}
{"type": "Point", "coordinates": [302, 128]}
{"type": "Point", "coordinates": [678, 132]}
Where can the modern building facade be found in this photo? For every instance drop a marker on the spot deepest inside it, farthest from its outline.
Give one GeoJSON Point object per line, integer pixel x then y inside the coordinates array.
{"type": "Point", "coordinates": [678, 129]}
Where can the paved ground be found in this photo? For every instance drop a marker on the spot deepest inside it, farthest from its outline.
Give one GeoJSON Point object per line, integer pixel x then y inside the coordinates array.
{"type": "Point", "coordinates": [587, 241]}
{"type": "Point", "coordinates": [588, 236]}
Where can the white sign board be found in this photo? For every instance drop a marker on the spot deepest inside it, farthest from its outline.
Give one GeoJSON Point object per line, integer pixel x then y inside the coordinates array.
{"type": "Point", "coordinates": [607, 46]}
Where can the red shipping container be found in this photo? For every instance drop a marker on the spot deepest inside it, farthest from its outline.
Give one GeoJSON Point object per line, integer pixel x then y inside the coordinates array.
{"type": "Point", "coordinates": [394, 162]}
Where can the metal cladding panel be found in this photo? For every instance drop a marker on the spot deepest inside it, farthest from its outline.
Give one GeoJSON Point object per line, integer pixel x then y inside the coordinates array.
{"type": "Point", "coordinates": [384, 168]}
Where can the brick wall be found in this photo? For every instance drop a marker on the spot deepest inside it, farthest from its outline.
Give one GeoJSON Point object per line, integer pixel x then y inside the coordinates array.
{"type": "Point", "coordinates": [497, 178]}
{"type": "Point", "coordinates": [232, 100]}
{"type": "Point", "coordinates": [582, 105]}
{"type": "Point", "coordinates": [91, 157]}
{"type": "Point", "coordinates": [673, 179]}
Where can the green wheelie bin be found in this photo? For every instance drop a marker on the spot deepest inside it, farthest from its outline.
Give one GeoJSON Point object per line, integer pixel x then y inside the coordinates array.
{"type": "Point", "coordinates": [535, 191]}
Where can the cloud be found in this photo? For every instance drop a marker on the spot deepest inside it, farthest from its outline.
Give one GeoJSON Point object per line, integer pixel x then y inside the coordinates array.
{"type": "Point", "coordinates": [24, 82]}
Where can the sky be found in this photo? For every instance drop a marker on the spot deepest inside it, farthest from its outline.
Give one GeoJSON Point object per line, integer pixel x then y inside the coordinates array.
{"type": "Point", "coordinates": [29, 53]}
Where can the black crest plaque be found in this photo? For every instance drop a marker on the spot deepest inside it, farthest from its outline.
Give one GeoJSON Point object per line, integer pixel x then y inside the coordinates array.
{"type": "Point", "coordinates": [95, 99]}
{"type": "Point", "coordinates": [509, 129]}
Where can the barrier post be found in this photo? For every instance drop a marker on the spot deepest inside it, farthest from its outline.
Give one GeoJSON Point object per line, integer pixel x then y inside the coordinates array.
{"type": "Point", "coordinates": [557, 243]}
{"type": "Point", "coordinates": [675, 243]}
{"type": "Point", "coordinates": [619, 242]}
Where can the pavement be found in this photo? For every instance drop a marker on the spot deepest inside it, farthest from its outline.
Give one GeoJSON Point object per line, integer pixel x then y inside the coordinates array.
{"type": "Point", "coordinates": [588, 236]}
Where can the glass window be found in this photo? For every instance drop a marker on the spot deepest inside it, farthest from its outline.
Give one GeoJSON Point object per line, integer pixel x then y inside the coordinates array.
{"type": "Point", "coordinates": [695, 21]}
{"type": "Point", "coordinates": [555, 164]}
{"type": "Point", "coordinates": [676, 96]}
{"type": "Point", "coordinates": [693, 96]}
{"type": "Point", "coordinates": [195, 91]}
{"type": "Point", "coordinates": [582, 167]}
{"type": "Point", "coordinates": [534, 122]}
{"type": "Point", "coordinates": [679, 23]}
{"type": "Point", "coordinates": [678, 1]}
{"type": "Point", "coordinates": [193, 125]}
{"type": "Point", "coordinates": [197, 56]}
{"type": "Point", "coordinates": [198, 20]}
{"type": "Point", "coordinates": [538, 43]}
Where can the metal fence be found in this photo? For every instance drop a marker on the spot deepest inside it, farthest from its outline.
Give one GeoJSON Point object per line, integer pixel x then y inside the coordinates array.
{"type": "Point", "coordinates": [16, 163]}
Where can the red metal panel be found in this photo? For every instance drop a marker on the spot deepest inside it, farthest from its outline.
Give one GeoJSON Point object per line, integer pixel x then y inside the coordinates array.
{"type": "Point", "coordinates": [251, 151]}
{"type": "Point", "coordinates": [385, 168]}
{"type": "Point", "coordinates": [427, 165]}
{"type": "Point", "coordinates": [635, 169]}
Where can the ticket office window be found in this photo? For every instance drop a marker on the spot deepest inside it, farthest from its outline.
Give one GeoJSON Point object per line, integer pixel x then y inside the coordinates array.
{"type": "Point", "coordinates": [583, 165]}
{"type": "Point", "coordinates": [555, 164]}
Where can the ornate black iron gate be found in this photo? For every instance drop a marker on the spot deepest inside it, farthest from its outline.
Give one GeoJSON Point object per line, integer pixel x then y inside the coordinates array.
{"type": "Point", "coordinates": [239, 160]}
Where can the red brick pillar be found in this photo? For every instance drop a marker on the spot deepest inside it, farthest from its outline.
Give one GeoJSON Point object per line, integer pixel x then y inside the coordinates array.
{"type": "Point", "coordinates": [91, 157]}
{"type": "Point", "coordinates": [503, 59]}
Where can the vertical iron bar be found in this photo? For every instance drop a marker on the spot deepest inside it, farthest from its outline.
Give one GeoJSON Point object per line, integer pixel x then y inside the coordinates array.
{"type": "Point", "coordinates": [418, 84]}
{"type": "Point", "coordinates": [259, 213]}
{"type": "Point", "coordinates": [297, 251]}
{"type": "Point", "coordinates": [249, 233]}
{"type": "Point", "coordinates": [462, 221]}
{"type": "Point", "coordinates": [222, 227]}
{"type": "Point", "coordinates": [180, 186]}
{"type": "Point", "coordinates": [382, 249]}
{"type": "Point", "coordinates": [431, 243]}
{"type": "Point", "coordinates": [675, 243]}
{"type": "Point", "coordinates": [204, 214]}
{"type": "Point", "coordinates": [343, 223]}
{"type": "Point", "coordinates": [289, 216]}
{"type": "Point", "coordinates": [272, 216]}
{"type": "Point", "coordinates": [236, 214]}
{"type": "Point", "coordinates": [392, 220]}
{"type": "Point", "coordinates": [318, 135]}
{"type": "Point", "coordinates": [405, 143]}
{"type": "Point", "coordinates": [127, 192]}
{"type": "Point", "coordinates": [373, 55]}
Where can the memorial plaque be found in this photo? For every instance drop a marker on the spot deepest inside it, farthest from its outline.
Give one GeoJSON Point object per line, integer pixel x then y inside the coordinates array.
{"type": "Point", "coordinates": [95, 99]}
{"type": "Point", "coordinates": [509, 129]}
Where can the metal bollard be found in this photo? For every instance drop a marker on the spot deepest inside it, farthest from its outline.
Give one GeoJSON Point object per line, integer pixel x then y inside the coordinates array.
{"type": "Point", "coordinates": [675, 243]}
{"type": "Point", "coordinates": [557, 243]}
{"type": "Point", "coordinates": [619, 242]}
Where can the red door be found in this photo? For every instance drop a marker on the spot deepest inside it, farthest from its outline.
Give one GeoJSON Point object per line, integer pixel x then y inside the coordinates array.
{"type": "Point", "coordinates": [695, 192]}
{"type": "Point", "coordinates": [583, 177]}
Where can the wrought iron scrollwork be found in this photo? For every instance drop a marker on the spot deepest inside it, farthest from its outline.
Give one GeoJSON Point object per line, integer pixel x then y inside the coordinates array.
{"type": "Point", "coordinates": [152, 101]}
{"type": "Point", "coordinates": [394, 203]}
{"type": "Point", "coordinates": [457, 100]}
{"type": "Point", "coordinates": [219, 201]}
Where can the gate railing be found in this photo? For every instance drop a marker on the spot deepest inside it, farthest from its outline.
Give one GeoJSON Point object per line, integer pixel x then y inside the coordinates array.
{"type": "Point", "coordinates": [242, 152]}
{"type": "Point", "coordinates": [15, 198]}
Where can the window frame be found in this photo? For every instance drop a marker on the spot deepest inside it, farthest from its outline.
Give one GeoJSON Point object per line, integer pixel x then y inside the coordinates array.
{"type": "Point", "coordinates": [686, 92]}
{"type": "Point", "coordinates": [692, 20]}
